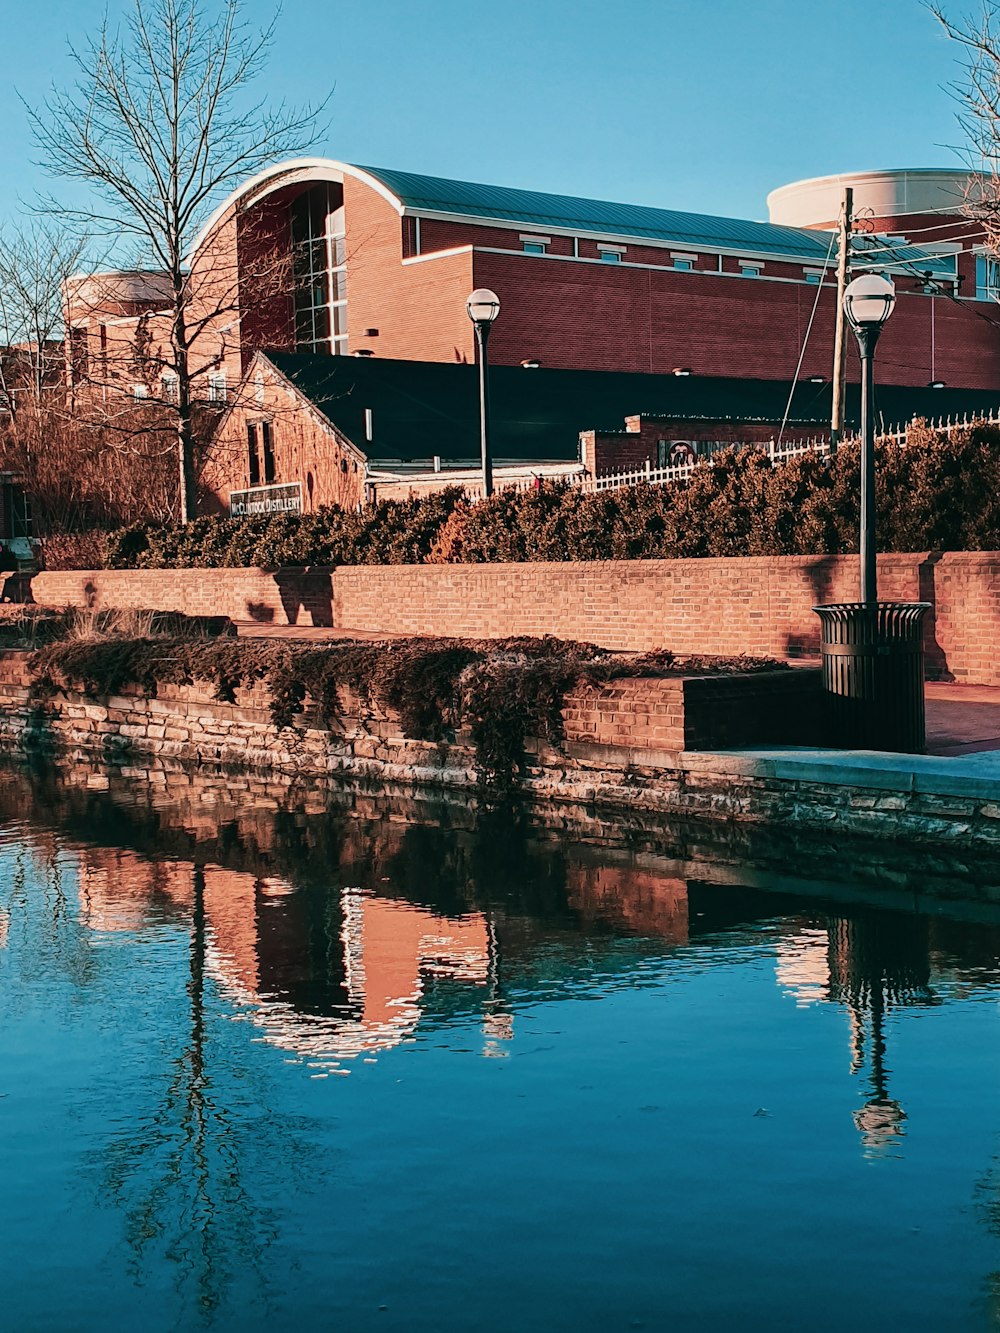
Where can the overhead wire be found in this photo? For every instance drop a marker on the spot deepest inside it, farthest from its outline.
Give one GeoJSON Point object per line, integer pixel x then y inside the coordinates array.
{"type": "Point", "coordinates": [805, 339]}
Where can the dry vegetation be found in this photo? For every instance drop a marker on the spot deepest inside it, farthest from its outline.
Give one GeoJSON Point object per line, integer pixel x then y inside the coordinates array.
{"type": "Point", "coordinates": [500, 690]}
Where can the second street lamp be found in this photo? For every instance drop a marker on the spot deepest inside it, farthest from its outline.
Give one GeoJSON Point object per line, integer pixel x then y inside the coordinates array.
{"type": "Point", "coordinates": [868, 303]}
{"type": "Point", "coordinates": [483, 307]}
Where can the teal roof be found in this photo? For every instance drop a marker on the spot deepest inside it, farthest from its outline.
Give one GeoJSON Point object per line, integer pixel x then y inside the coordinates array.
{"type": "Point", "coordinates": [533, 208]}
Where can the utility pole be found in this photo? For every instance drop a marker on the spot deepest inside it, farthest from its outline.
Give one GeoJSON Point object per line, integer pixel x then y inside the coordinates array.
{"type": "Point", "coordinates": [840, 339]}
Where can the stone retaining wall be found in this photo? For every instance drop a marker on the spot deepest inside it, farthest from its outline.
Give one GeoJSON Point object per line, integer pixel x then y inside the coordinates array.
{"type": "Point", "coordinates": [760, 606]}
{"type": "Point", "coordinates": [615, 757]}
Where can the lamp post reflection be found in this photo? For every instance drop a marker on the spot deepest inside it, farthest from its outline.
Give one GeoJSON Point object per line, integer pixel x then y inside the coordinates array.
{"type": "Point", "coordinates": [871, 964]}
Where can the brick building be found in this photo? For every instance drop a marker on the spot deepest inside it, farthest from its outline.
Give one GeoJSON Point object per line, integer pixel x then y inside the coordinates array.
{"type": "Point", "coordinates": [309, 429]}
{"type": "Point", "coordinates": [320, 257]}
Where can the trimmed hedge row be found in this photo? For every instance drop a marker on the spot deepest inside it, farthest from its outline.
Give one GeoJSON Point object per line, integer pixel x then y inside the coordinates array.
{"type": "Point", "coordinates": [937, 493]}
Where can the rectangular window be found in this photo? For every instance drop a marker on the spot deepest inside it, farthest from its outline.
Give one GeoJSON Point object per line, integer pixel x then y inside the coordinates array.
{"type": "Point", "coordinates": [750, 270]}
{"type": "Point", "coordinates": [533, 247]}
{"type": "Point", "coordinates": [813, 276]}
{"type": "Point", "coordinates": [267, 440]}
{"type": "Point", "coordinates": [170, 387]}
{"type": "Point", "coordinates": [683, 265]}
{"type": "Point", "coordinates": [218, 386]}
{"type": "Point", "coordinates": [610, 256]}
{"type": "Point", "coordinates": [662, 453]}
{"type": "Point", "coordinates": [319, 248]}
{"type": "Point", "coordinates": [252, 454]}
{"type": "Point", "coordinates": [987, 278]}
{"type": "Point", "coordinates": [140, 392]}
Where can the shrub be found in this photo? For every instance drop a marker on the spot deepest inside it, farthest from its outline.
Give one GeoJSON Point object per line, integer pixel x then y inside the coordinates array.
{"type": "Point", "coordinates": [939, 493]}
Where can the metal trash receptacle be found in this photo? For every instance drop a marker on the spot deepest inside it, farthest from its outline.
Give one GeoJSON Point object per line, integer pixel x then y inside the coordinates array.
{"type": "Point", "coordinates": [873, 675]}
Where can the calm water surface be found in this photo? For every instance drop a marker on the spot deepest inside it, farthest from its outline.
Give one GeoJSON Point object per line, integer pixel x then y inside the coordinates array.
{"type": "Point", "coordinates": [336, 1063]}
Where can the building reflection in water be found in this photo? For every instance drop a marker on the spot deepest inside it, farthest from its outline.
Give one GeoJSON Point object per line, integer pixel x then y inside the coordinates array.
{"type": "Point", "coordinates": [326, 977]}
{"type": "Point", "coordinates": [333, 973]}
{"type": "Point", "coordinates": [871, 963]}
{"type": "Point", "coordinates": [382, 955]}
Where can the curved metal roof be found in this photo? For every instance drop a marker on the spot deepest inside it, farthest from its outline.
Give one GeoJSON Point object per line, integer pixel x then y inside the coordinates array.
{"type": "Point", "coordinates": [434, 194]}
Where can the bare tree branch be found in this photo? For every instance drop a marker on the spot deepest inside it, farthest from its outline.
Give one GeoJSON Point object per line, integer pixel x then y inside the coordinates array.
{"type": "Point", "coordinates": [160, 127]}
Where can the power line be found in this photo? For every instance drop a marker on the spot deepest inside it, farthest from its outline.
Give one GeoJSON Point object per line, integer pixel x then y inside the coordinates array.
{"type": "Point", "coordinates": [805, 339]}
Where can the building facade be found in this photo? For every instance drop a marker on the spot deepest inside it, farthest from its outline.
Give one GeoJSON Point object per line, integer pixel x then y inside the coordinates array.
{"type": "Point", "coordinates": [316, 255]}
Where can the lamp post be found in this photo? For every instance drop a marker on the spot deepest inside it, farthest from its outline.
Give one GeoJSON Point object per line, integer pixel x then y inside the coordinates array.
{"type": "Point", "coordinates": [873, 656]}
{"type": "Point", "coordinates": [483, 307]}
{"type": "Point", "coordinates": [868, 303]}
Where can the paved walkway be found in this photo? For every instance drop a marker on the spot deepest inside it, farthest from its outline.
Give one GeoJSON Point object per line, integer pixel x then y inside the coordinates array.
{"type": "Point", "coordinates": [962, 719]}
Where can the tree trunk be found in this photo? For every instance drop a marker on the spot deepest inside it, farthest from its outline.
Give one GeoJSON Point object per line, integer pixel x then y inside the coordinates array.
{"type": "Point", "coordinates": [185, 423]}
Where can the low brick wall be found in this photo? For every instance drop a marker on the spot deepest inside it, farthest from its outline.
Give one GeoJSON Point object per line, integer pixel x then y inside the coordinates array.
{"type": "Point", "coordinates": [761, 606]}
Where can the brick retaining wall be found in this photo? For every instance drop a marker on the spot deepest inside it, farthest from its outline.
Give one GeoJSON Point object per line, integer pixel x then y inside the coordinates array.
{"type": "Point", "coordinates": [760, 605]}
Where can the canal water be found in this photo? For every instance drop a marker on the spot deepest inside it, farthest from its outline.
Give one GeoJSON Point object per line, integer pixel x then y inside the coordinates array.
{"type": "Point", "coordinates": [298, 1060]}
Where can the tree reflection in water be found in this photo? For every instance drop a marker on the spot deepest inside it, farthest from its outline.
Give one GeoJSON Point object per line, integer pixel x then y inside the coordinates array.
{"type": "Point", "coordinates": [178, 1176]}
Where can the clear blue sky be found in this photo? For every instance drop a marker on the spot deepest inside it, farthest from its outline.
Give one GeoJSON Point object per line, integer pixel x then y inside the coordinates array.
{"type": "Point", "coordinates": [692, 104]}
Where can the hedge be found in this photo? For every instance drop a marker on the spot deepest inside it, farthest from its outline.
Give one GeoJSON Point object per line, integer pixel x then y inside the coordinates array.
{"type": "Point", "coordinates": [938, 493]}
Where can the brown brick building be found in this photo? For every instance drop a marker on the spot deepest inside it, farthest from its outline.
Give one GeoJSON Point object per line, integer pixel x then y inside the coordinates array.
{"type": "Point", "coordinates": [320, 257]}
{"type": "Point", "coordinates": [362, 260]}
{"type": "Point", "coordinates": [308, 429]}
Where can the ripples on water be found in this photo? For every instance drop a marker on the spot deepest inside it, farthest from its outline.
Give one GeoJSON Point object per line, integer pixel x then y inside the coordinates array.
{"type": "Point", "coordinates": [335, 1062]}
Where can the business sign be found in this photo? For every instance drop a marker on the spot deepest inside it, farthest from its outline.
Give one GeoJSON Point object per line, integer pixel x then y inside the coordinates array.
{"type": "Point", "coordinates": [266, 500]}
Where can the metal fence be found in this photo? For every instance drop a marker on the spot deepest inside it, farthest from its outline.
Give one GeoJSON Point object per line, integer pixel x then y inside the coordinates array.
{"type": "Point", "coordinates": [777, 452]}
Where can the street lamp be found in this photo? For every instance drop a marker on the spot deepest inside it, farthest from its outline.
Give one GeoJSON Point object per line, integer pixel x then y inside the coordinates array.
{"type": "Point", "coordinates": [483, 307]}
{"type": "Point", "coordinates": [873, 656]}
{"type": "Point", "coordinates": [868, 303]}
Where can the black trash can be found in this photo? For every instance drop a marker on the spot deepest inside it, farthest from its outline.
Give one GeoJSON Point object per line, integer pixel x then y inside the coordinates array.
{"type": "Point", "coordinates": [873, 675]}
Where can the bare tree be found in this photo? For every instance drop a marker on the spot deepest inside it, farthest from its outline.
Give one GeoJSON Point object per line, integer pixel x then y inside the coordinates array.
{"type": "Point", "coordinates": [161, 126]}
{"type": "Point", "coordinates": [978, 96]}
{"type": "Point", "coordinates": [36, 259]}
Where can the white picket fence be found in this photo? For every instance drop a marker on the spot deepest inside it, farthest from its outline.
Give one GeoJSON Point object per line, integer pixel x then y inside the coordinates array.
{"type": "Point", "coordinates": [779, 453]}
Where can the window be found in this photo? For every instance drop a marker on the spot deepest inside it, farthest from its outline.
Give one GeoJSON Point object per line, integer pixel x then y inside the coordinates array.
{"type": "Point", "coordinates": [683, 265]}
{"type": "Point", "coordinates": [319, 251]}
{"type": "Point", "coordinates": [218, 386]}
{"type": "Point", "coordinates": [253, 456]}
{"type": "Point", "coordinates": [139, 392]}
{"type": "Point", "coordinates": [267, 443]}
{"type": "Point", "coordinates": [170, 386]}
{"type": "Point", "coordinates": [533, 247]}
{"type": "Point", "coordinates": [750, 270]}
{"type": "Point", "coordinates": [78, 358]}
{"type": "Point", "coordinates": [662, 453]}
{"type": "Point", "coordinates": [813, 276]}
{"type": "Point", "coordinates": [987, 278]}
{"type": "Point", "coordinates": [610, 254]}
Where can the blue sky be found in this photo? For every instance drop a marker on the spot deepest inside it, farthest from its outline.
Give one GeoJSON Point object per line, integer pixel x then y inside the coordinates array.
{"type": "Point", "coordinates": [693, 104]}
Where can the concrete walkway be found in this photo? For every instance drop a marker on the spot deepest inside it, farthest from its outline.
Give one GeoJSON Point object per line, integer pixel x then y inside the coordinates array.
{"type": "Point", "coordinates": [971, 775]}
